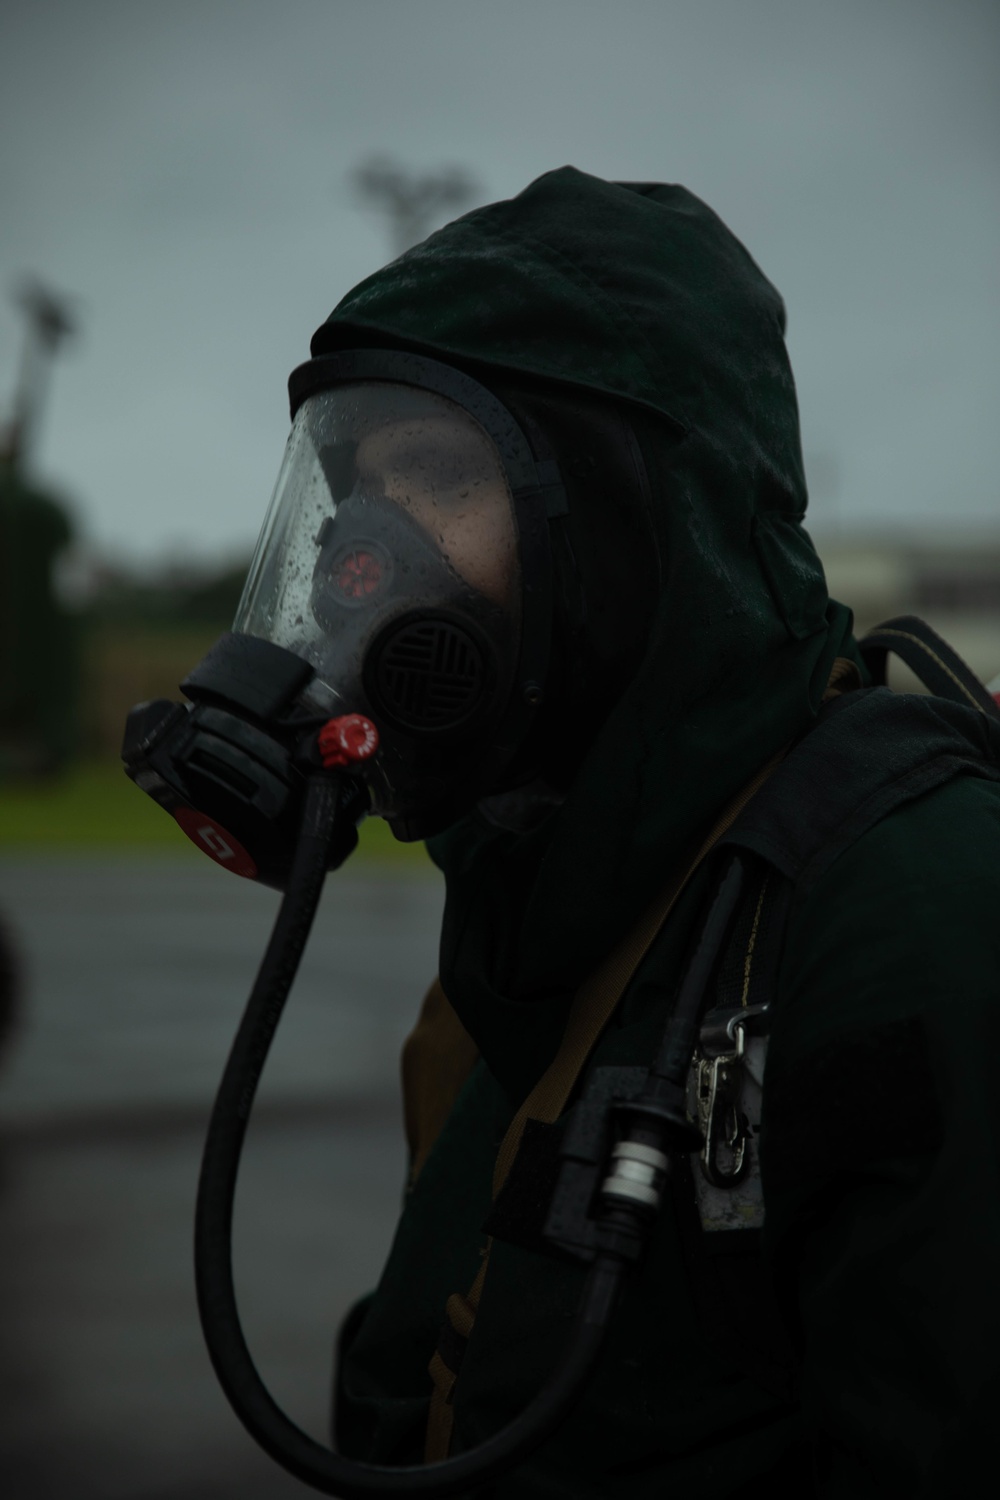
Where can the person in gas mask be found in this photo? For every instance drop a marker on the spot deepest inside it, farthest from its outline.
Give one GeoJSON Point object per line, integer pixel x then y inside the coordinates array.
{"type": "Point", "coordinates": [691, 639]}
{"type": "Point", "coordinates": [541, 522]}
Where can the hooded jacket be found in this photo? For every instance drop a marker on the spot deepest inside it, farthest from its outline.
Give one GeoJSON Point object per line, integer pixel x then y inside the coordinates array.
{"type": "Point", "coordinates": [638, 296]}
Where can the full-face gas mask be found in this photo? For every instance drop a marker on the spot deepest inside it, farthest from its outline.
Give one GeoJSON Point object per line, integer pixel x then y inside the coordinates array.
{"type": "Point", "coordinates": [401, 586]}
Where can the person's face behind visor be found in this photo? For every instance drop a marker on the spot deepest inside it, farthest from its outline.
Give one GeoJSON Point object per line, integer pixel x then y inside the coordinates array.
{"type": "Point", "coordinates": [443, 471]}
{"type": "Point", "coordinates": [392, 530]}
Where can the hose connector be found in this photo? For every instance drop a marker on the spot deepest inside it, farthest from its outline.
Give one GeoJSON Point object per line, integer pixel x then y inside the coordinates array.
{"type": "Point", "coordinates": [638, 1175]}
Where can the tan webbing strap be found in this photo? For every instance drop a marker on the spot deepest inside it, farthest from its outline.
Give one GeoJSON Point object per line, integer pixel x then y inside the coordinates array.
{"type": "Point", "coordinates": [844, 678]}
{"type": "Point", "coordinates": [461, 1314]}
{"type": "Point", "coordinates": [592, 1008]}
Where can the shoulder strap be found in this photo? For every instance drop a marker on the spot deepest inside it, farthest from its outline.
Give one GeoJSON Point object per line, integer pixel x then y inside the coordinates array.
{"type": "Point", "coordinates": [938, 666]}
{"type": "Point", "coordinates": [872, 751]}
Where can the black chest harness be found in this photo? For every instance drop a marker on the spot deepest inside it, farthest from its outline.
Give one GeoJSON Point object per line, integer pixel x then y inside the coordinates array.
{"type": "Point", "coordinates": [872, 751]}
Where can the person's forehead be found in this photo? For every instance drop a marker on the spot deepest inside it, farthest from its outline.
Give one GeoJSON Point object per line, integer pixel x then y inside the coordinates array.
{"type": "Point", "coordinates": [442, 447]}
{"type": "Point", "coordinates": [447, 425]}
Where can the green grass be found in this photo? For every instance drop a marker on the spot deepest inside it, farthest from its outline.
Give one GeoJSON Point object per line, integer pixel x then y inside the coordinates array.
{"type": "Point", "coordinates": [94, 807]}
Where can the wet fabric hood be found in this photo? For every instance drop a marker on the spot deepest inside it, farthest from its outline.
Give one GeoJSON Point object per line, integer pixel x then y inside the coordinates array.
{"type": "Point", "coordinates": [640, 294]}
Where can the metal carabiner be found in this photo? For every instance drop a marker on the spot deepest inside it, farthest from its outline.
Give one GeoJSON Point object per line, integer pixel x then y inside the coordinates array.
{"type": "Point", "coordinates": [723, 1124]}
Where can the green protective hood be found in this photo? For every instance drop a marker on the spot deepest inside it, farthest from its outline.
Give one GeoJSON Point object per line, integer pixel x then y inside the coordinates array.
{"type": "Point", "coordinates": [640, 293]}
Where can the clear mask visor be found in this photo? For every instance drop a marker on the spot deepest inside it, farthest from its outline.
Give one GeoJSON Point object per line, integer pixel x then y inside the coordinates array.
{"type": "Point", "coordinates": [390, 499]}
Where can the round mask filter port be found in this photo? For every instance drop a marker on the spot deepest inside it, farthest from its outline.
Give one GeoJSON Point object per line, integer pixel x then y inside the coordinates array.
{"type": "Point", "coordinates": [427, 674]}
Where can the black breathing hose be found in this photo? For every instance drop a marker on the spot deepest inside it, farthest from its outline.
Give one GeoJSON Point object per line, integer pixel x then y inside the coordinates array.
{"type": "Point", "coordinates": [674, 1056]}
{"type": "Point", "coordinates": [265, 1421]}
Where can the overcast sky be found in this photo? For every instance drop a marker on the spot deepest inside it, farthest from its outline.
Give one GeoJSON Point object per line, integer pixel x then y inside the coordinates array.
{"type": "Point", "coordinates": [182, 170]}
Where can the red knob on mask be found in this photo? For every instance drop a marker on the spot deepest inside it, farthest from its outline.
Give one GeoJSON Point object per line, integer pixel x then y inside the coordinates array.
{"type": "Point", "coordinates": [347, 741]}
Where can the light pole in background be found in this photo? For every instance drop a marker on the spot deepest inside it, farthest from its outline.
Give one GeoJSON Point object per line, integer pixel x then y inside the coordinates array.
{"type": "Point", "coordinates": [413, 201]}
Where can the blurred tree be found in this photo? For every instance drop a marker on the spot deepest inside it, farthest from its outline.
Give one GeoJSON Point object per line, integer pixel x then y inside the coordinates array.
{"type": "Point", "coordinates": [413, 201]}
{"type": "Point", "coordinates": [39, 648]}
{"type": "Point", "coordinates": [144, 634]}
{"type": "Point", "coordinates": [178, 595]}
{"type": "Point", "coordinates": [39, 657]}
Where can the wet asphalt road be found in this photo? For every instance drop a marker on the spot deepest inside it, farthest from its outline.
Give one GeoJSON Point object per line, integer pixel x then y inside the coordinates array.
{"type": "Point", "coordinates": [136, 977]}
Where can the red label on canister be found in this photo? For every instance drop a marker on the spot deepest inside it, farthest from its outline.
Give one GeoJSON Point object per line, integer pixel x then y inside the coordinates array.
{"type": "Point", "coordinates": [215, 841]}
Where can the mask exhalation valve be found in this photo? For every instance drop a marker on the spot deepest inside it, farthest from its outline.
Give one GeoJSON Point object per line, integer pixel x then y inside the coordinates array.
{"type": "Point", "coordinates": [428, 675]}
